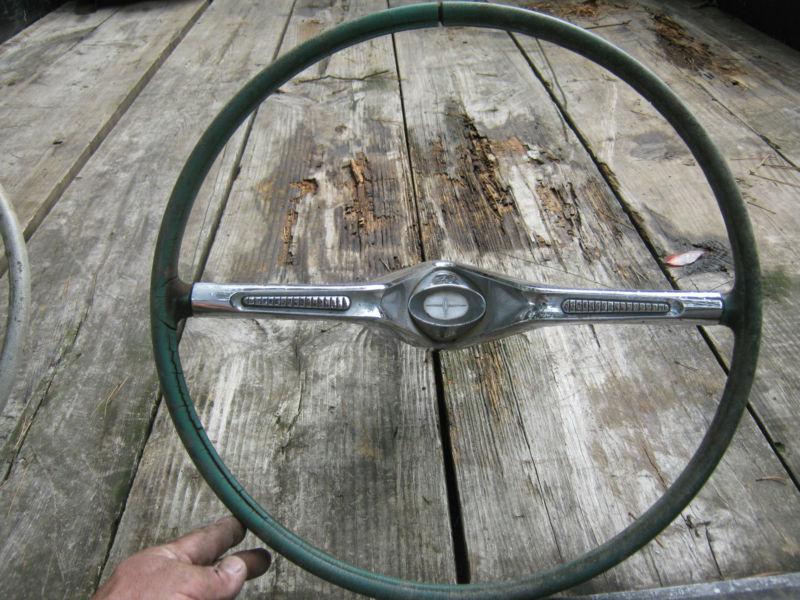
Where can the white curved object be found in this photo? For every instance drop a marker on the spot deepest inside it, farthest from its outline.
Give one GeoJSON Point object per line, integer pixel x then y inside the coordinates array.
{"type": "Point", "coordinates": [19, 298]}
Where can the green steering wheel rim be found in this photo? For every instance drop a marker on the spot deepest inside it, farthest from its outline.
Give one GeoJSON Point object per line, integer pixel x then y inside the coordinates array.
{"type": "Point", "coordinates": [169, 300]}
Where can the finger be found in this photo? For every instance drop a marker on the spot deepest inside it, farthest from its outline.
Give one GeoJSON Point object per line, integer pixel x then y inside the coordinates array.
{"type": "Point", "coordinates": [204, 546]}
{"type": "Point", "coordinates": [257, 560]}
{"type": "Point", "coordinates": [223, 581]}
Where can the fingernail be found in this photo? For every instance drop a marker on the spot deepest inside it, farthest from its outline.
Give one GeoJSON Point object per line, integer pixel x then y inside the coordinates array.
{"type": "Point", "coordinates": [267, 556]}
{"type": "Point", "coordinates": [232, 565]}
{"type": "Point", "coordinates": [266, 560]}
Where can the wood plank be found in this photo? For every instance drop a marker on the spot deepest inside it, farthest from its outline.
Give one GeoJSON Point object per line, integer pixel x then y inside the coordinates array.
{"type": "Point", "coordinates": [89, 390]}
{"type": "Point", "coordinates": [762, 86]}
{"type": "Point", "coordinates": [658, 179]}
{"type": "Point", "coordinates": [562, 436]}
{"type": "Point", "coordinates": [67, 82]}
{"type": "Point", "coordinates": [332, 427]}
{"type": "Point", "coordinates": [49, 38]}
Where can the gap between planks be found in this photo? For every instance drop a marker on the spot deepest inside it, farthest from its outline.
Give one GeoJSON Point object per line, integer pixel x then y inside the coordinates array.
{"type": "Point", "coordinates": [457, 532]}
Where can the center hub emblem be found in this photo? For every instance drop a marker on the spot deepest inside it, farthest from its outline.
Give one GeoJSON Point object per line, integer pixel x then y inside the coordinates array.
{"type": "Point", "coordinates": [444, 306]}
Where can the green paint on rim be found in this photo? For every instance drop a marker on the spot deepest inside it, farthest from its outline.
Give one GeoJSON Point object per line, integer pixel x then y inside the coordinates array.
{"type": "Point", "coordinates": [169, 300]}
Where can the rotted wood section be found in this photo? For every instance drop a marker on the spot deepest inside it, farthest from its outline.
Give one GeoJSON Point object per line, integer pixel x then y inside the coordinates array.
{"type": "Point", "coordinates": [475, 146]}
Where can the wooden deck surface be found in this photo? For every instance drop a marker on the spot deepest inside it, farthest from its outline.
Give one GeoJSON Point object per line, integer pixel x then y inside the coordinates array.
{"type": "Point", "coordinates": [477, 146]}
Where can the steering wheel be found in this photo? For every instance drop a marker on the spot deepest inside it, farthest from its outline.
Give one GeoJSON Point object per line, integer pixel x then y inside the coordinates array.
{"type": "Point", "coordinates": [19, 298]}
{"type": "Point", "coordinates": [445, 305]}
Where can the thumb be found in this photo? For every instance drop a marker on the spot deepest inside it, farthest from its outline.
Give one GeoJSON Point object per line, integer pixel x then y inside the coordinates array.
{"type": "Point", "coordinates": [224, 580]}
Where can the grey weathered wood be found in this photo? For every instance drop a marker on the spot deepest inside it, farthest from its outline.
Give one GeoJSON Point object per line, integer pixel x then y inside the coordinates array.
{"type": "Point", "coordinates": [592, 458]}
{"type": "Point", "coordinates": [762, 83]}
{"type": "Point", "coordinates": [562, 436]}
{"type": "Point", "coordinates": [67, 82]}
{"type": "Point", "coordinates": [332, 427]}
{"type": "Point", "coordinates": [769, 587]}
{"type": "Point", "coordinates": [48, 38]}
{"type": "Point", "coordinates": [659, 181]}
{"type": "Point", "coordinates": [86, 400]}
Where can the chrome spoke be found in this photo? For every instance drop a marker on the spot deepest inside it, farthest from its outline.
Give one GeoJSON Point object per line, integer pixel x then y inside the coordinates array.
{"type": "Point", "coordinates": [352, 302]}
{"type": "Point", "coordinates": [445, 305]}
{"type": "Point", "coordinates": [615, 306]}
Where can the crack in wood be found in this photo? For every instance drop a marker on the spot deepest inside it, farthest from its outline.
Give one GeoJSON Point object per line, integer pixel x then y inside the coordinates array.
{"type": "Point", "coordinates": [305, 188]}
{"type": "Point", "coordinates": [369, 76]}
{"type": "Point", "coordinates": [495, 192]}
{"type": "Point", "coordinates": [560, 203]}
{"type": "Point", "coordinates": [361, 220]}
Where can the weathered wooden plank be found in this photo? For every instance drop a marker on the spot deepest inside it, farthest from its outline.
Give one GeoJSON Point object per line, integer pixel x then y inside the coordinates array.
{"type": "Point", "coordinates": [50, 37]}
{"type": "Point", "coordinates": [660, 182]}
{"type": "Point", "coordinates": [65, 85]}
{"type": "Point", "coordinates": [762, 86]}
{"type": "Point", "coordinates": [89, 387]}
{"type": "Point", "coordinates": [562, 436]}
{"type": "Point", "coordinates": [333, 428]}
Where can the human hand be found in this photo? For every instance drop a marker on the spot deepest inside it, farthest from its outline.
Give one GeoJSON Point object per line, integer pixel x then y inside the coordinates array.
{"type": "Point", "coordinates": [186, 568]}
